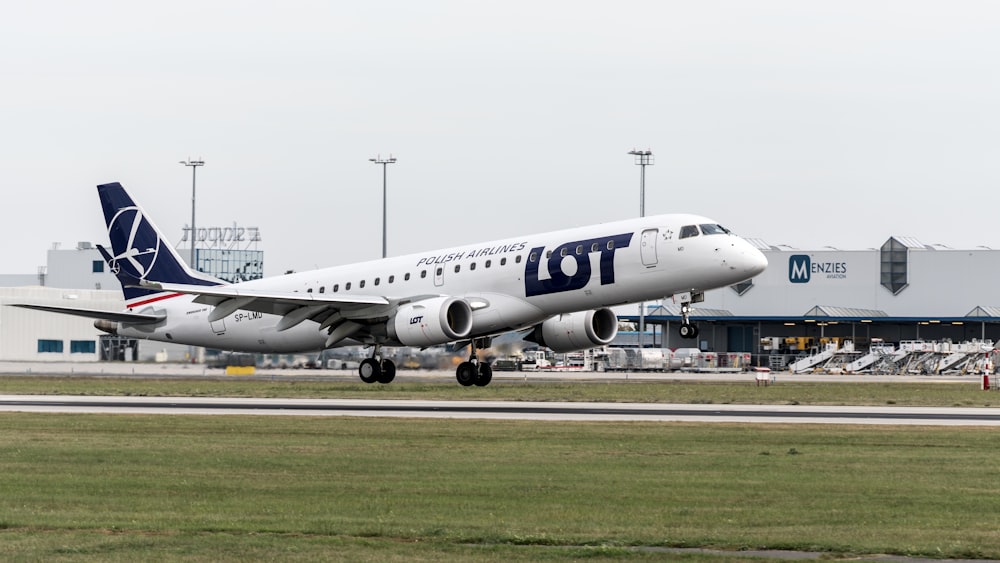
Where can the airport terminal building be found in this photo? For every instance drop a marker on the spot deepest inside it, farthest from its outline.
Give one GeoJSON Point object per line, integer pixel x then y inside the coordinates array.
{"type": "Point", "coordinates": [901, 291]}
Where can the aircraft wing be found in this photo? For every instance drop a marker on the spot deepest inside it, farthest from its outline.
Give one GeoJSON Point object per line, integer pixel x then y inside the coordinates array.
{"type": "Point", "coordinates": [229, 298]}
{"type": "Point", "coordinates": [117, 316]}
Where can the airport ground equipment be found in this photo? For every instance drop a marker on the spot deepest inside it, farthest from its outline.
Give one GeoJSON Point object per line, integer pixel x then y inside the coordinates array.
{"type": "Point", "coordinates": [810, 362]}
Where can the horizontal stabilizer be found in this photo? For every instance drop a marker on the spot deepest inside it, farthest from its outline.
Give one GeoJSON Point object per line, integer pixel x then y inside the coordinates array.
{"type": "Point", "coordinates": [117, 316]}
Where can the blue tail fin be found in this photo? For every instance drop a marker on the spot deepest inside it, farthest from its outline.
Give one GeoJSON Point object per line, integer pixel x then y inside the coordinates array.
{"type": "Point", "coordinates": [138, 251]}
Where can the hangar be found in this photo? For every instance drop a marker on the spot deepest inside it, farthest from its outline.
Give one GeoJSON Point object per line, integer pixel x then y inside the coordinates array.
{"type": "Point", "coordinates": [902, 291]}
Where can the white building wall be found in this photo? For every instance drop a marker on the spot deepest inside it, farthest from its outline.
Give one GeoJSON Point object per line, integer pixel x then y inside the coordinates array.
{"type": "Point", "coordinates": [75, 268]}
{"type": "Point", "coordinates": [947, 283]}
{"type": "Point", "coordinates": [21, 329]}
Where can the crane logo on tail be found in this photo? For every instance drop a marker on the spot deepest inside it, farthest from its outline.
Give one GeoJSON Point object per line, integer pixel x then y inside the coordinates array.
{"type": "Point", "coordinates": [135, 243]}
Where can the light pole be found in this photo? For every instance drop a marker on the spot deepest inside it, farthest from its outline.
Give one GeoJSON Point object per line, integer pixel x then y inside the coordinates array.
{"type": "Point", "coordinates": [383, 161]}
{"type": "Point", "coordinates": [194, 164]}
{"type": "Point", "coordinates": [643, 159]}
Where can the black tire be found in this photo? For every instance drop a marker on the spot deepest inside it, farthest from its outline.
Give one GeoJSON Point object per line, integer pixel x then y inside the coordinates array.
{"type": "Point", "coordinates": [688, 330]}
{"type": "Point", "coordinates": [388, 372]}
{"type": "Point", "coordinates": [485, 375]}
{"type": "Point", "coordinates": [369, 370]}
{"type": "Point", "coordinates": [466, 374]}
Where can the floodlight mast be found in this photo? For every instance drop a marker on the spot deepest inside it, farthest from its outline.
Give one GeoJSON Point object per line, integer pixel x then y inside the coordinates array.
{"type": "Point", "coordinates": [642, 159]}
{"type": "Point", "coordinates": [383, 161]}
{"type": "Point", "coordinates": [194, 164]}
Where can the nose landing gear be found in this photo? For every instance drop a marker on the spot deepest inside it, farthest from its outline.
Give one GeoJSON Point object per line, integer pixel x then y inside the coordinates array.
{"type": "Point", "coordinates": [688, 330]}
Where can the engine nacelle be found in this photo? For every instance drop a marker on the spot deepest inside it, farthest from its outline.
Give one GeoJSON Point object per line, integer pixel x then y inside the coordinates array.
{"type": "Point", "coordinates": [576, 331]}
{"type": "Point", "coordinates": [431, 322]}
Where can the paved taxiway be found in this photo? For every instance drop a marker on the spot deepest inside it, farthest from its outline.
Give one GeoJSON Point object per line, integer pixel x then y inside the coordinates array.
{"type": "Point", "coordinates": [508, 410]}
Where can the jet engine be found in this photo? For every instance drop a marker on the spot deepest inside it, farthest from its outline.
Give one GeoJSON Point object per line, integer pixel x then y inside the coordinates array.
{"type": "Point", "coordinates": [110, 327]}
{"type": "Point", "coordinates": [576, 331]}
{"type": "Point", "coordinates": [432, 321]}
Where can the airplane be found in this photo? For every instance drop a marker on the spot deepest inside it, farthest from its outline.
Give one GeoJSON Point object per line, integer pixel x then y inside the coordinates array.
{"type": "Point", "coordinates": [556, 287]}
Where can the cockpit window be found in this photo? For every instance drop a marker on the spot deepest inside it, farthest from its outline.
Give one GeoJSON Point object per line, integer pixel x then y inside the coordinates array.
{"type": "Point", "coordinates": [709, 229]}
{"type": "Point", "coordinates": [688, 231]}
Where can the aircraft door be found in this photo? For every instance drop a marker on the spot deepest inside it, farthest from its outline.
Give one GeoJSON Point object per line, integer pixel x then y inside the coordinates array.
{"type": "Point", "coordinates": [438, 276]}
{"type": "Point", "coordinates": [647, 247]}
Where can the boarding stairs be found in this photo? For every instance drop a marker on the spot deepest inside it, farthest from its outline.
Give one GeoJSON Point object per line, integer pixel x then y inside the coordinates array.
{"type": "Point", "coordinates": [949, 361]}
{"type": "Point", "coordinates": [810, 362]}
{"type": "Point", "coordinates": [876, 352]}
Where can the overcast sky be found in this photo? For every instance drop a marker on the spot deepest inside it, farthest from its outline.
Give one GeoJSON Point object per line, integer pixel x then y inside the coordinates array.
{"type": "Point", "coordinates": [803, 123]}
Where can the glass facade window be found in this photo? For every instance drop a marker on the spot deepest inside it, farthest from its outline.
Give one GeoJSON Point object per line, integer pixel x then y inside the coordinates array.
{"type": "Point", "coordinates": [82, 347]}
{"type": "Point", "coordinates": [742, 287]}
{"type": "Point", "coordinates": [231, 265]}
{"type": "Point", "coordinates": [893, 260]}
{"type": "Point", "coordinates": [55, 346]}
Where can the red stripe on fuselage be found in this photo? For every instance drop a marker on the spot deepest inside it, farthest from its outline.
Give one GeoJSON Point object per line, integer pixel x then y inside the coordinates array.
{"type": "Point", "coordinates": [153, 300]}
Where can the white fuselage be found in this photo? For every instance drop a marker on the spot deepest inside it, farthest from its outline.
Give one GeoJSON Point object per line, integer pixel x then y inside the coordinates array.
{"type": "Point", "coordinates": [511, 284]}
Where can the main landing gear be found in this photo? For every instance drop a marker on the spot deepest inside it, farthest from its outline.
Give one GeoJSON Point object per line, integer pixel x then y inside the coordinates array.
{"type": "Point", "coordinates": [376, 368]}
{"type": "Point", "coordinates": [474, 372]}
{"type": "Point", "coordinates": [471, 372]}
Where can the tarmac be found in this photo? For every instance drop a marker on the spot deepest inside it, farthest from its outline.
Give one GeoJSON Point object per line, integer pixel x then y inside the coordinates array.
{"type": "Point", "coordinates": [184, 371]}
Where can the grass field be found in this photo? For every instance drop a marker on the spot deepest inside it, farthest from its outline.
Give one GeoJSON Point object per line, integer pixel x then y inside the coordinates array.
{"type": "Point", "coordinates": [189, 488]}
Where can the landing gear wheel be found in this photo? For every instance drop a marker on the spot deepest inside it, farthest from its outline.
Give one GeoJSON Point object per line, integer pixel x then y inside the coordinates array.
{"type": "Point", "coordinates": [466, 374]}
{"type": "Point", "coordinates": [485, 375]}
{"type": "Point", "coordinates": [388, 372]}
{"type": "Point", "coordinates": [370, 370]}
{"type": "Point", "coordinates": [688, 331]}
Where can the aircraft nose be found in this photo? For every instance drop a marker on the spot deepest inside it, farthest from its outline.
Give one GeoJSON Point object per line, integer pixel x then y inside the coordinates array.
{"type": "Point", "coordinates": [756, 261]}
{"type": "Point", "coordinates": [749, 261]}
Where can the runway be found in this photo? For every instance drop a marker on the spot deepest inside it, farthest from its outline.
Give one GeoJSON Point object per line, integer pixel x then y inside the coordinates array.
{"type": "Point", "coordinates": [506, 410]}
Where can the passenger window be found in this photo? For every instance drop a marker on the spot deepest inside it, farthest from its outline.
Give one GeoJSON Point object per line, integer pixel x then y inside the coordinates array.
{"type": "Point", "coordinates": [548, 254]}
{"type": "Point", "coordinates": [362, 284]}
{"type": "Point", "coordinates": [533, 257]}
{"type": "Point", "coordinates": [439, 271]}
{"type": "Point", "coordinates": [310, 290]}
{"type": "Point", "coordinates": [472, 266]}
{"type": "Point", "coordinates": [594, 247]}
{"type": "Point", "coordinates": [457, 268]}
{"type": "Point", "coordinates": [423, 273]}
{"type": "Point", "coordinates": [688, 231]}
{"type": "Point", "coordinates": [488, 262]}
{"type": "Point", "coordinates": [347, 286]}
{"type": "Point", "coordinates": [377, 280]}
{"type": "Point", "coordinates": [579, 249]}
{"type": "Point", "coordinates": [392, 279]}
{"type": "Point", "coordinates": [336, 287]}
{"type": "Point", "coordinates": [322, 289]}
{"type": "Point", "coordinates": [563, 252]}
{"type": "Point", "coordinates": [406, 277]}
{"type": "Point", "coordinates": [611, 245]}
{"type": "Point", "coordinates": [517, 259]}
{"type": "Point", "coordinates": [503, 261]}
